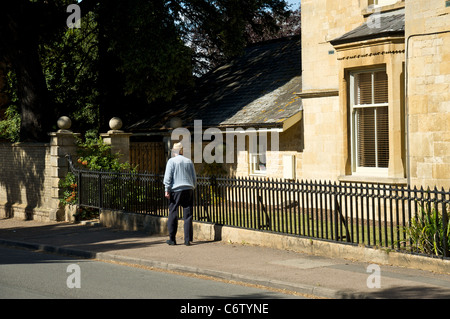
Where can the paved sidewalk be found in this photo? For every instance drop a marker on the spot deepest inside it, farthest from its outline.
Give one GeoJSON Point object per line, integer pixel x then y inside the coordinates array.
{"type": "Point", "coordinates": [292, 271]}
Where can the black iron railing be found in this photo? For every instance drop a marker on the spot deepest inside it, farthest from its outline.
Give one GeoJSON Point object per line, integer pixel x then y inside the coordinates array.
{"type": "Point", "coordinates": [395, 217]}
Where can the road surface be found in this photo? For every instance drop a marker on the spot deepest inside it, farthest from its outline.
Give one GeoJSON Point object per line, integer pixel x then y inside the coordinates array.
{"type": "Point", "coordinates": [29, 274]}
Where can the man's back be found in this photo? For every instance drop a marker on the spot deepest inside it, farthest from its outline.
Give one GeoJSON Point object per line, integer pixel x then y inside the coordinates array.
{"type": "Point", "coordinates": [180, 174]}
{"type": "Point", "coordinates": [179, 182]}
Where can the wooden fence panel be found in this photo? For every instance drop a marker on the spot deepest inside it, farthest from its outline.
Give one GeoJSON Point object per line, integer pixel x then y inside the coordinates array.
{"type": "Point", "coordinates": [148, 156]}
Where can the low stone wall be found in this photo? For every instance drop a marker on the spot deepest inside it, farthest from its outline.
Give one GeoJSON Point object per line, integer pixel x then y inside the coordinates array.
{"type": "Point", "coordinates": [29, 178]}
{"type": "Point", "coordinates": [209, 232]}
{"type": "Point", "coordinates": [30, 174]}
{"type": "Point", "coordinates": [153, 225]}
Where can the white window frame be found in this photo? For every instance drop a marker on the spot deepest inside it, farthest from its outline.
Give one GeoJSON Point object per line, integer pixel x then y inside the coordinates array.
{"type": "Point", "coordinates": [259, 148]}
{"type": "Point", "coordinates": [382, 3]}
{"type": "Point", "coordinates": [255, 166]}
{"type": "Point", "coordinates": [356, 169]}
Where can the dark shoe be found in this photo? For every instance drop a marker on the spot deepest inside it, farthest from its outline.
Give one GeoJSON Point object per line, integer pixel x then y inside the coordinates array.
{"type": "Point", "coordinates": [187, 243]}
{"type": "Point", "coordinates": [171, 242]}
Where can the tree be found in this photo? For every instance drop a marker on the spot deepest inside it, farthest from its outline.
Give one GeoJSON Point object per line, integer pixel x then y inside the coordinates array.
{"type": "Point", "coordinates": [219, 30]}
{"type": "Point", "coordinates": [139, 47]}
{"type": "Point", "coordinates": [284, 27]}
{"type": "Point", "coordinates": [126, 55]}
{"type": "Point", "coordinates": [70, 64]}
{"type": "Point", "coordinates": [20, 29]}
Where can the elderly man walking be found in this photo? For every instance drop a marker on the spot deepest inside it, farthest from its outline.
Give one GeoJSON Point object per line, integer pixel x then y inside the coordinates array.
{"type": "Point", "coordinates": [180, 181]}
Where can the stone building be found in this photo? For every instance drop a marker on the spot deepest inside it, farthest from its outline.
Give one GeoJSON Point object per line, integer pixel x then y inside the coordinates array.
{"type": "Point", "coordinates": [372, 94]}
{"type": "Point", "coordinates": [375, 91]}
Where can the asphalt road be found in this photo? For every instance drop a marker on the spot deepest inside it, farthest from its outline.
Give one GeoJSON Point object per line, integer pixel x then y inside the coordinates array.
{"type": "Point", "coordinates": [33, 275]}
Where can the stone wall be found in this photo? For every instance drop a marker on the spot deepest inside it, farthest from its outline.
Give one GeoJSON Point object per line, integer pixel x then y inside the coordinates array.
{"type": "Point", "coordinates": [428, 67]}
{"type": "Point", "coordinates": [324, 131]}
{"type": "Point", "coordinates": [30, 174]}
{"type": "Point", "coordinates": [323, 21]}
{"type": "Point", "coordinates": [29, 178]}
{"type": "Point", "coordinates": [26, 181]}
{"type": "Point", "coordinates": [324, 138]}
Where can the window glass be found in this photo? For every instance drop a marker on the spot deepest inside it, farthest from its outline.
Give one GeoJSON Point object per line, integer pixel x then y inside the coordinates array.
{"type": "Point", "coordinates": [257, 153]}
{"type": "Point", "coordinates": [370, 121]}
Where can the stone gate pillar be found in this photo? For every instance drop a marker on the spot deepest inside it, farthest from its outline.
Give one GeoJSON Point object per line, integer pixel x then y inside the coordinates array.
{"type": "Point", "coordinates": [119, 140]}
{"type": "Point", "coordinates": [62, 142]}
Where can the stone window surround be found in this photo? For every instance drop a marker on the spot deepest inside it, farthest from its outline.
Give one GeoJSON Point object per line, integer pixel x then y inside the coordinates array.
{"type": "Point", "coordinates": [377, 171]}
{"type": "Point", "coordinates": [369, 54]}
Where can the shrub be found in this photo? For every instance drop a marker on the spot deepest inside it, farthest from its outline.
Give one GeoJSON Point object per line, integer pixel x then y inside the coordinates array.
{"type": "Point", "coordinates": [426, 231]}
{"type": "Point", "coordinates": [10, 123]}
{"type": "Point", "coordinates": [95, 155]}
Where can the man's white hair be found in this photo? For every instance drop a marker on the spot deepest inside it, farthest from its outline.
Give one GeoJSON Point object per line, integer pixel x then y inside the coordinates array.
{"type": "Point", "coordinates": [177, 148]}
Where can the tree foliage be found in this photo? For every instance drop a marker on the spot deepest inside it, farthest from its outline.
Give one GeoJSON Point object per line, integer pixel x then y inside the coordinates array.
{"type": "Point", "coordinates": [70, 64]}
{"type": "Point", "coordinates": [126, 58]}
{"type": "Point", "coordinates": [10, 125]}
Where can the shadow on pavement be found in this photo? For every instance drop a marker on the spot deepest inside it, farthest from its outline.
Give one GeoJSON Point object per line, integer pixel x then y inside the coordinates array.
{"type": "Point", "coordinates": [76, 236]}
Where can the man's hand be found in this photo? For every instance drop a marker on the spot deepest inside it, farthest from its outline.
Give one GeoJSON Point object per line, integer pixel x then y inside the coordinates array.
{"type": "Point", "coordinates": [167, 195]}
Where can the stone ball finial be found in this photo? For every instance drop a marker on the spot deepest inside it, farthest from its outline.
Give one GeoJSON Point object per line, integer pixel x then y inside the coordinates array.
{"type": "Point", "coordinates": [115, 123]}
{"type": "Point", "coordinates": [175, 122]}
{"type": "Point", "coordinates": [64, 123]}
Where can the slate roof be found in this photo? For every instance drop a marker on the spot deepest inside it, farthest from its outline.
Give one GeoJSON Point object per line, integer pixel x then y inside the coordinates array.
{"type": "Point", "coordinates": [256, 89]}
{"type": "Point", "coordinates": [377, 25]}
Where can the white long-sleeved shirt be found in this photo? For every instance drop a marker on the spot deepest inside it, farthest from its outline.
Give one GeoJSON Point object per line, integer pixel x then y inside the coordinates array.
{"type": "Point", "coordinates": [180, 174]}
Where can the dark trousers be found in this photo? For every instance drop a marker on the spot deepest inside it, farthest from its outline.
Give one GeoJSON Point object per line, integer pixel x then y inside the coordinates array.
{"type": "Point", "coordinates": [185, 199]}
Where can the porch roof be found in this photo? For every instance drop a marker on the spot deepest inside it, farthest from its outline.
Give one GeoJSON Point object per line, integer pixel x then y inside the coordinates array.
{"type": "Point", "coordinates": [378, 25]}
{"type": "Point", "coordinates": [257, 89]}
